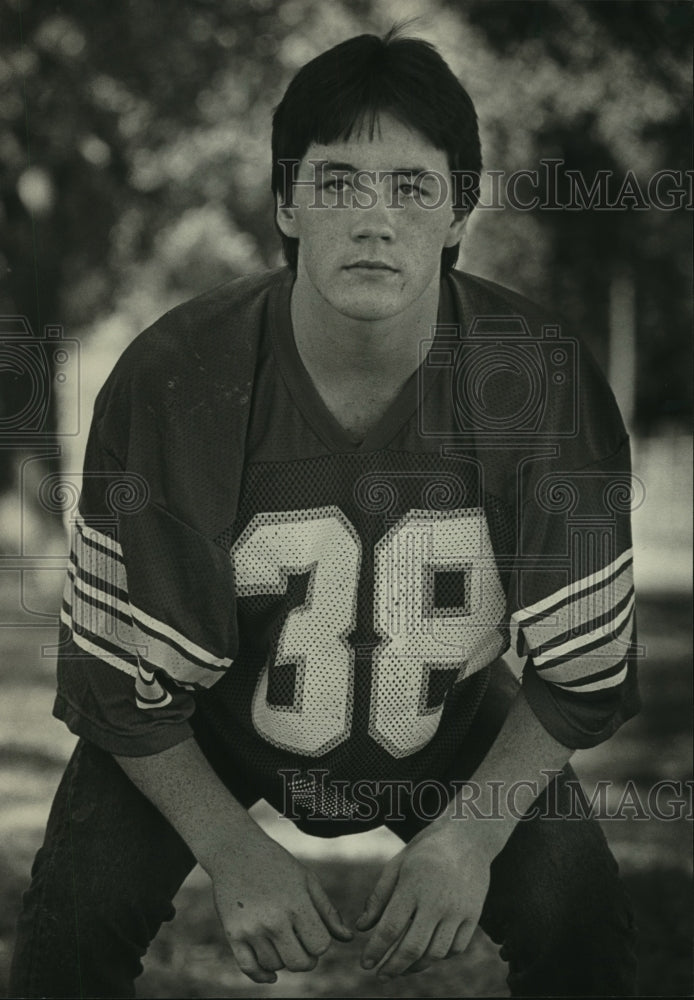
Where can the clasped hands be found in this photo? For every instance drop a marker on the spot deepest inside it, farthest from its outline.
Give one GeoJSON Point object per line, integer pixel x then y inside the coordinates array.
{"type": "Point", "coordinates": [424, 907]}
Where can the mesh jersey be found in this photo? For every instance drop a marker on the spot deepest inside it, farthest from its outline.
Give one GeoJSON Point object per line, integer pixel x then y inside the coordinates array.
{"type": "Point", "coordinates": [358, 593]}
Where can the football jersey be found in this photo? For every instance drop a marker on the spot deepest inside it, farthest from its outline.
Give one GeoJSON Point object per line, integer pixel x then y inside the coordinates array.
{"type": "Point", "coordinates": [341, 621]}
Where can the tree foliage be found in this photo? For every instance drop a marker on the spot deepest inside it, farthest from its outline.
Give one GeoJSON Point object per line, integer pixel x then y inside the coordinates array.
{"type": "Point", "coordinates": [135, 141]}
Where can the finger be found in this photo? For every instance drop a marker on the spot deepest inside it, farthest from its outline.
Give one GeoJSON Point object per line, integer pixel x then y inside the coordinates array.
{"type": "Point", "coordinates": [312, 932]}
{"type": "Point", "coordinates": [328, 913]}
{"type": "Point", "coordinates": [378, 900]}
{"type": "Point", "coordinates": [390, 927]}
{"type": "Point", "coordinates": [462, 937]}
{"type": "Point", "coordinates": [266, 953]}
{"type": "Point", "coordinates": [248, 963]}
{"type": "Point", "coordinates": [410, 949]}
{"type": "Point", "coordinates": [293, 954]}
{"type": "Point", "coordinates": [439, 947]}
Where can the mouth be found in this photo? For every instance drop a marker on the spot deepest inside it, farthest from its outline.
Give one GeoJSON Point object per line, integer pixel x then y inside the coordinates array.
{"type": "Point", "coordinates": [371, 265]}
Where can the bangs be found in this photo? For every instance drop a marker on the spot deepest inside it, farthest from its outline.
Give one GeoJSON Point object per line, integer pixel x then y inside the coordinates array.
{"type": "Point", "coordinates": [357, 113]}
{"type": "Point", "coordinates": [362, 79]}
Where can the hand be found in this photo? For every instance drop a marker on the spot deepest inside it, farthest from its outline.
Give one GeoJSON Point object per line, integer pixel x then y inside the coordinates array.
{"type": "Point", "coordinates": [274, 910]}
{"type": "Point", "coordinates": [427, 902]}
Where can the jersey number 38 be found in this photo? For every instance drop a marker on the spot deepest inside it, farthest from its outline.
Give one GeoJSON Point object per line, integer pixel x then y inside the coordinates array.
{"type": "Point", "coordinates": [416, 637]}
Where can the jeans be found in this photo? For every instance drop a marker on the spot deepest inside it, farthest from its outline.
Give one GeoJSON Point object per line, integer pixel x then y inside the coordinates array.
{"type": "Point", "coordinates": [104, 880]}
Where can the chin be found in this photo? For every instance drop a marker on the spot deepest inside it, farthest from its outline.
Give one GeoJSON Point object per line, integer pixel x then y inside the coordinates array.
{"type": "Point", "coordinates": [368, 308]}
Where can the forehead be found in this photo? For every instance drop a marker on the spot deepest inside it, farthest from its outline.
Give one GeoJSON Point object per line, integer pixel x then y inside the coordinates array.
{"type": "Point", "coordinates": [392, 146]}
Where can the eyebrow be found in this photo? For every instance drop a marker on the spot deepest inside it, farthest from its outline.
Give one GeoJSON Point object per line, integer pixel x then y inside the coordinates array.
{"type": "Point", "coordinates": [324, 166]}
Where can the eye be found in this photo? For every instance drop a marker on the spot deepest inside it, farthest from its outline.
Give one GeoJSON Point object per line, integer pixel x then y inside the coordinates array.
{"type": "Point", "coordinates": [336, 183]}
{"type": "Point", "coordinates": [411, 189]}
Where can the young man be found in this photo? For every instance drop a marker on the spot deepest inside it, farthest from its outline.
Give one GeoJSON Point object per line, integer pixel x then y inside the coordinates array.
{"type": "Point", "coordinates": [314, 501]}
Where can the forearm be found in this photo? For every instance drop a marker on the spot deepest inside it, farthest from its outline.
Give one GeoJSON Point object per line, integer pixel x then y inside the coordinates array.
{"type": "Point", "coordinates": [272, 907]}
{"type": "Point", "coordinates": [183, 786]}
{"type": "Point", "coordinates": [516, 769]}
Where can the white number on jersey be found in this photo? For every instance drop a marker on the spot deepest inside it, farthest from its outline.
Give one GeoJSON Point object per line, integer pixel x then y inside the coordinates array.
{"type": "Point", "coordinates": [324, 543]}
{"type": "Point", "coordinates": [416, 636]}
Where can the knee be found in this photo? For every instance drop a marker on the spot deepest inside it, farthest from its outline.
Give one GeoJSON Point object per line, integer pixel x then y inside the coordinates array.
{"type": "Point", "coordinates": [89, 888]}
{"type": "Point", "coordinates": [83, 927]}
{"type": "Point", "coordinates": [565, 921]}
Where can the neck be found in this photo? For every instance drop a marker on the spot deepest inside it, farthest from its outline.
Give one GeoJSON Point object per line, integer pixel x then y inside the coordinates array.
{"type": "Point", "coordinates": [334, 346]}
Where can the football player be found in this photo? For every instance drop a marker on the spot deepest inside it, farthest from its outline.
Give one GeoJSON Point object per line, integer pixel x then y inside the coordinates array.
{"type": "Point", "coordinates": [315, 501]}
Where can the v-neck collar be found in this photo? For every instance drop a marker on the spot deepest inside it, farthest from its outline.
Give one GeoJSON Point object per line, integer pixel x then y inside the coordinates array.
{"type": "Point", "coordinates": [309, 401]}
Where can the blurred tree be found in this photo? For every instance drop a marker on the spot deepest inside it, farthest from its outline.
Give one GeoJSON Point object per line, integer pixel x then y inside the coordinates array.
{"type": "Point", "coordinates": [608, 86]}
{"type": "Point", "coordinates": [134, 151]}
{"type": "Point", "coordinates": [129, 142]}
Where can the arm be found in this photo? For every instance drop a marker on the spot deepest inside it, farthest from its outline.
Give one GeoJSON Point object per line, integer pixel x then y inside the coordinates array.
{"type": "Point", "coordinates": [274, 911]}
{"type": "Point", "coordinates": [442, 875]}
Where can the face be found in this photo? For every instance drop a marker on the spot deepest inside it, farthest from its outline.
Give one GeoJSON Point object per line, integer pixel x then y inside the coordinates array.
{"type": "Point", "coordinates": [372, 217]}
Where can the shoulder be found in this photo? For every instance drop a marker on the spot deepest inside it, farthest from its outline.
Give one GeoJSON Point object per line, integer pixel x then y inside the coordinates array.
{"type": "Point", "coordinates": [482, 297]}
{"type": "Point", "coordinates": [539, 367]}
{"type": "Point", "coordinates": [206, 342]}
{"type": "Point", "coordinates": [217, 320]}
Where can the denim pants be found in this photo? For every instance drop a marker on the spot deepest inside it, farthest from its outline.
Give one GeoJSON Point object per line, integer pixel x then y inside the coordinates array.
{"type": "Point", "coordinates": [105, 877]}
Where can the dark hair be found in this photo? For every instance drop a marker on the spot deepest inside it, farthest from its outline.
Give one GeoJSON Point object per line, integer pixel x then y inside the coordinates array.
{"type": "Point", "coordinates": [349, 85]}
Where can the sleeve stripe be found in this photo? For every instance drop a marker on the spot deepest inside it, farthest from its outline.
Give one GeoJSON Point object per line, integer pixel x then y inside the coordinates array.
{"type": "Point", "coordinates": [102, 650]}
{"type": "Point", "coordinates": [100, 620]}
{"type": "Point", "coordinates": [104, 601]}
{"type": "Point", "coordinates": [605, 683]}
{"type": "Point", "coordinates": [589, 662]}
{"type": "Point", "coordinates": [90, 615]}
{"type": "Point", "coordinates": [580, 683]}
{"type": "Point", "coordinates": [97, 538]}
{"type": "Point", "coordinates": [167, 632]}
{"type": "Point", "coordinates": [102, 565]}
{"type": "Point", "coordinates": [580, 611]}
{"type": "Point", "coordinates": [215, 665]}
{"type": "Point", "coordinates": [89, 545]}
{"type": "Point", "coordinates": [585, 643]}
{"type": "Point", "coordinates": [573, 590]}
{"type": "Point", "coordinates": [106, 567]}
{"type": "Point", "coordinates": [579, 631]}
{"type": "Point", "coordinates": [99, 597]}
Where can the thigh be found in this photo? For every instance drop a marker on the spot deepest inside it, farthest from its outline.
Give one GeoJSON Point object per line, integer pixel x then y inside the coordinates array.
{"type": "Point", "coordinates": [102, 883]}
{"type": "Point", "coordinates": [557, 905]}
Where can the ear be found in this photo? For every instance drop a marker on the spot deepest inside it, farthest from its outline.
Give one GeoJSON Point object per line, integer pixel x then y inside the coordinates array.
{"type": "Point", "coordinates": [455, 230]}
{"type": "Point", "coordinates": [287, 220]}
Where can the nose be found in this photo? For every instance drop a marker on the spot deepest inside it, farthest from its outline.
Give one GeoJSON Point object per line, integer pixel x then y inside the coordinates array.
{"type": "Point", "coordinates": [374, 222]}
